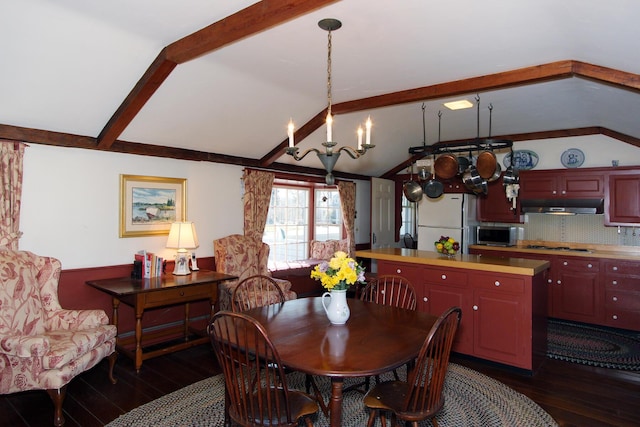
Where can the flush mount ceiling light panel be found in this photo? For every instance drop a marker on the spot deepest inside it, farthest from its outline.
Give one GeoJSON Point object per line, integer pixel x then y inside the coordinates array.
{"type": "Point", "coordinates": [458, 105]}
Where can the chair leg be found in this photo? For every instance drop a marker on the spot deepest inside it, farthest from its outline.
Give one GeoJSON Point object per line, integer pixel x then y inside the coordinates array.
{"type": "Point", "coordinates": [57, 396]}
{"type": "Point", "coordinates": [112, 363]}
{"type": "Point", "coordinates": [372, 418]}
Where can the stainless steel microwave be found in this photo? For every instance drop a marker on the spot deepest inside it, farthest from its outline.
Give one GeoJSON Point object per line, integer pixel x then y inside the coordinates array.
{"type": "Point", "coordinates": [497, 236]}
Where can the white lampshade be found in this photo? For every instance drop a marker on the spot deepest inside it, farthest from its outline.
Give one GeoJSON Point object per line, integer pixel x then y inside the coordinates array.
{"type": "Point", "coordinates": [182, 236]}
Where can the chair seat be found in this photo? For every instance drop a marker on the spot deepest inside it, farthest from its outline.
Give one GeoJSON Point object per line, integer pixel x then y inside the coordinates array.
{"type": "Point", "coordinates": [70, 345]}
{"type": "Point", "coordinates": [301, 404]}
{"type": "Point", "coordinates": [390, 395]}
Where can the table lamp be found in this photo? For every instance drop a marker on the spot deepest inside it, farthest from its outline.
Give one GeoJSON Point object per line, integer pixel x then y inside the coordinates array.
{"type": "Point", "coordinates": [182, 236]}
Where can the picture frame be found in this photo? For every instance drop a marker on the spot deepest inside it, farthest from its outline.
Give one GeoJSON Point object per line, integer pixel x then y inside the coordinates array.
{"type": "Point", "coordinates": [149, 204]}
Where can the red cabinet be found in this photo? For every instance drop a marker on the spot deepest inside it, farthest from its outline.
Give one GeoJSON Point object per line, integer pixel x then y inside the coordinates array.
{"type": "Point", "coordinates": [623, 201]}
{"type": "Point", "coordinates": [576, 290]}
{"type": "Point", "coordinates": [622, 294]}
{"type": "Point", "coordinates": [558, 184]}
{"type": "Point", "coordinates": [495, 207]}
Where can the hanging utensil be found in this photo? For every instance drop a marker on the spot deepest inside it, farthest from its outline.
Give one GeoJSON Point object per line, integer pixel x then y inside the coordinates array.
{"type": "Point", "coordinates": [412, 190]}
{"type": "Point", "coordinates": [511, 174]}
{"type": "Point", "coordinates": [434, 188]}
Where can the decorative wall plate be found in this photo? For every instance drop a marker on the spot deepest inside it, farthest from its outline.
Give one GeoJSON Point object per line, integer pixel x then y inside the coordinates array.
{"type": "Point", "coordinates": [572, 158]}
{"type": "Point", "coordinates": [522, 160]}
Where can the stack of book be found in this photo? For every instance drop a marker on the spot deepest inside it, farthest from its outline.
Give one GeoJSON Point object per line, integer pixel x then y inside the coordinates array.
{"type": "Point", "coordinates": [152, 265]}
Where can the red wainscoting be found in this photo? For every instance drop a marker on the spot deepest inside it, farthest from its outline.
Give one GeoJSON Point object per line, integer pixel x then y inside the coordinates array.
{"type": "Point", "coordinates": [74, 293]}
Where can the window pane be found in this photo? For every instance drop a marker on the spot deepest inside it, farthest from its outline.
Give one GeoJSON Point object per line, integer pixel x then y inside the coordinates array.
{"type": "Point", "coordinates": [286, 231]}
{"type": "Point", "coordinates": [328, 215]}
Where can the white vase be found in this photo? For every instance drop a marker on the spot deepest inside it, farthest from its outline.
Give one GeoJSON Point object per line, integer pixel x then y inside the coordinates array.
{"type": "Point", "coordinates": [337, 311]}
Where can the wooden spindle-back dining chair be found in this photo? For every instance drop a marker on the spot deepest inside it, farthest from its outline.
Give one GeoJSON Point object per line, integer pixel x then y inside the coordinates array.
{"type": "Point", "coordinates": [256, 389]}
{"type": "Point", "coordinates": [420, 397]}
{"type": "Point", "coordinates": [390, 290]}
{"type": "Point", "coordinates": [256, 291]}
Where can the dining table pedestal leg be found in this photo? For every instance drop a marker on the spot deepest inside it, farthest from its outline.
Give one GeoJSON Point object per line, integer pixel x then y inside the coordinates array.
{"type": "Point", "coordinates": [335, 405]}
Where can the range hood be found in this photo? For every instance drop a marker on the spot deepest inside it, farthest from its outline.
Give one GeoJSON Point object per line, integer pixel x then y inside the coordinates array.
{"type": "Point", "coordinates": [562, 206]}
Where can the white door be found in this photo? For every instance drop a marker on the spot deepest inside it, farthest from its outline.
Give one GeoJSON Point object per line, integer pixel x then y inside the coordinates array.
{"type": "Point", "coordinates": [382, 213]}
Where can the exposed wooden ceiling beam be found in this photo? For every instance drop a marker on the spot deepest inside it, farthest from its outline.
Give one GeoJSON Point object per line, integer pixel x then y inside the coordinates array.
{"type": "Point", "coordinates": [251, 20]}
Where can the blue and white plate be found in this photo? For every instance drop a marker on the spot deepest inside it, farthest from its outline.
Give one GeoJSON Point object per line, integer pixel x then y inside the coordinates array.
{"type": "Point", "coordinates": [522, 160]}
{"type": "Point", "coordinates": [572, 158]}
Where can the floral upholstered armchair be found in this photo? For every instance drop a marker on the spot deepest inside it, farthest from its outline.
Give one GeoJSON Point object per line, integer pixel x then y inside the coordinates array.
{"type": "Point", "coordinates": [243, 256]}
{"type": "Point", "coordinates": [42, 345]}
{"type": "Point", "coordinates": [324, 250]}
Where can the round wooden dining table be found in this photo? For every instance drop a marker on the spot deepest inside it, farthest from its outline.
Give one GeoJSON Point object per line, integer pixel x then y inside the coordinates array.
{"type": "Point", "coordinates": [375, 339]}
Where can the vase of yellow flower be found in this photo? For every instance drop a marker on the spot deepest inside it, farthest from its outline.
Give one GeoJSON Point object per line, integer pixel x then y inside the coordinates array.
{"type": "Point", "coordinates": [336, 275]}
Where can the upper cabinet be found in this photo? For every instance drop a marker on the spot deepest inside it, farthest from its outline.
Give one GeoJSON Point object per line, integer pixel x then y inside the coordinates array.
{"type": "Point", "coordinates": [559, 184]}
{"type": "Point", "coordinates": [495, 207]}
{"type": "Point", "coordinates": [622, 205]}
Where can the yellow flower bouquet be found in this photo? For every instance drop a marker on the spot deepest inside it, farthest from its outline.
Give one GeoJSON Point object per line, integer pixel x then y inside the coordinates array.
{"type": "Point", "coordinates": [339, 272]}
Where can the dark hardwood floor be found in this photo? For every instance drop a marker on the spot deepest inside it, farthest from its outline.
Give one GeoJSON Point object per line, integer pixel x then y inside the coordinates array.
{"type": "Point", "coordinates": [574, 395]}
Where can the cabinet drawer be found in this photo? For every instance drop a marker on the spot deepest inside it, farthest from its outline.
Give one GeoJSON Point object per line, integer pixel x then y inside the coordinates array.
{"type": "Point", "coordinates": [178, 295]}
{"type": "Point", "coordinates": [622, 267]}
{"type": "Point", "coordinates": [623, 319]}
{"type": "Point", "coordinates": [507, 284]}
{"type": "Point", "coordinates": [579, 264]}
{"type": "Point", "coordinates": [622, 300]}
{"type": "Point", "coordinates": [448, 277]}
{"type": "Point", "coordinates": [627, 283]}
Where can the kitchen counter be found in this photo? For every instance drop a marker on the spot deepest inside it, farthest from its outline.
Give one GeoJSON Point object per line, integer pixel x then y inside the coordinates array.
{"type": "Point", "coordinates": [631, 253]}
{"type": "Point", "coordinates": [525, 267]}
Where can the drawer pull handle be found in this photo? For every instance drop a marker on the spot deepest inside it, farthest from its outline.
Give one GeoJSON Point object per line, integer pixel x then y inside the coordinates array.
{"type": "Point", "coordinates": [444, 277]}
{"type": "Point", "coordinates": [565, 263]}
{"type": "Point", "coordinates": [615, 282]}
{"type": "Point", "coordinates": [614, 317]}
{"type": "Point", "coordinates": [497, 283]}
{"type": "Point", "coordinates": [398, 271]}
{"type": "Point", "coordinates": [181, 293]}
{"type": "Point", "coordinates": [425, 299]}
{"type": "Point", "coordinates": [615, 298]}
{"type": "Point", "coordinates": [615, 268]}
{"type": "Point", "coordinates": [475, 308]}
{"type": "Point", "coordinates": [589, 265]}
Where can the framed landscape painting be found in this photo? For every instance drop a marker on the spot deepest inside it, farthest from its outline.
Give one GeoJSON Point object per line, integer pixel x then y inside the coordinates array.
{"type": "Point", "coordinates": [149, 204]}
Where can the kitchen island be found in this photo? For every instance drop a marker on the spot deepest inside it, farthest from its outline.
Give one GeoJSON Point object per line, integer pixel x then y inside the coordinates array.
{"type": "Point", "coordinates": [503, 300]}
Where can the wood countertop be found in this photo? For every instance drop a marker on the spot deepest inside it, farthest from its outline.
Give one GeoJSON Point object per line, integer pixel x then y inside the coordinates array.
{"type": "Point", "coordinates": [524, 267]}
{"type": "Point", "coordinates": [631, 253]}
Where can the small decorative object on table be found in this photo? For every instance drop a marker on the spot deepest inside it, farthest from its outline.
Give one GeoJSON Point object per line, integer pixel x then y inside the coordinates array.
{"type": "Point", "coordinates": [447, 246]}
{"type": "Point", "coordinates": [336, 275]}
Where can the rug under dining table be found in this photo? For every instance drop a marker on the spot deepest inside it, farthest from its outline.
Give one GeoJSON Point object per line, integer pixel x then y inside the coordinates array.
{"type": "Point", "coordinates": [471, 399]}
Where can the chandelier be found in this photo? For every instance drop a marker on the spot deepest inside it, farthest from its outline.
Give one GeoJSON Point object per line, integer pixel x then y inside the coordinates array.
{"type": "Point", "coordinates": [330, 155]}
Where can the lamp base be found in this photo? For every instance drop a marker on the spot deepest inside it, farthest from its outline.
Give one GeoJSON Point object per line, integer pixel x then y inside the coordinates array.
{"type": "Point", "coordinates": [182, 264]}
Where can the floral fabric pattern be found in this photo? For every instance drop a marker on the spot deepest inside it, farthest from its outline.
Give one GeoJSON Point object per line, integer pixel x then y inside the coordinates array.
{"type": "Point", "coordinates": [244, 257]}
{"type": "Point", "coordinates": [42, 345]}
{"type": "Point", "coordinates": [326, 249]}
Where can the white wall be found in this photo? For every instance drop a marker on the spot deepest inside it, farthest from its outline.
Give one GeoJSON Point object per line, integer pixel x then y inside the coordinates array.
{"type": "Point", "coordinates": [71, 199]}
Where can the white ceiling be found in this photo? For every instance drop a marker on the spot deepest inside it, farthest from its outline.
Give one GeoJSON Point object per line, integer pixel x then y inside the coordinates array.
{"type": "Point", "coordinates": [67, 65]}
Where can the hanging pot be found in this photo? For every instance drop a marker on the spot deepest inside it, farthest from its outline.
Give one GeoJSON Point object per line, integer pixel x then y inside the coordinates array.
{"type": "Point", "coordinates": [511, 174]}
{"type": "Point", "coordinates": [412, 190]}
{"type": "Point", "coordinates": [434, 188]}
{"type": "Point", "coordinates": [486, 164]}
{"type": "Point", "coordinates": [496, 173]}
{"type": "Point", "coordinates": [463, 164]}
{"type": "Point", "coordinates": [446, 166]}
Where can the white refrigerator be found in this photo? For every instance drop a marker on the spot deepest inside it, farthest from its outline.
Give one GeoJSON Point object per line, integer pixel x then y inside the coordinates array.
{"type": "Point", "coordinates": [452, 215]}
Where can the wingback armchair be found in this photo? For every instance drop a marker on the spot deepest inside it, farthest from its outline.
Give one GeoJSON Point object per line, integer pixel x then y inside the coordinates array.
{"type": "Point", "coordinates": [243, 256]}
{"type": "Point", "coordinates": [42, 345]}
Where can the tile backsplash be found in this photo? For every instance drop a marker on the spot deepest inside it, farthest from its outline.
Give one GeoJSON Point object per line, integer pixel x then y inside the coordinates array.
{"type": "Point", "coordinates": [579, 229]}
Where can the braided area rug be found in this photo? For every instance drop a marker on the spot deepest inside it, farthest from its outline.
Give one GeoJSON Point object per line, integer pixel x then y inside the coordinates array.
{"type": "Point", "coordinates": [593, 345]}
{"type": "Point", "coordinates": [471, 399]}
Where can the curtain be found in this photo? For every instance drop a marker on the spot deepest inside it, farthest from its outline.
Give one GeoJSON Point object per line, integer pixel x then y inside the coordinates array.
{"type": "Point", "coordinates": [347, 191]}
{"type": "Point", "coordinates": [11, 154]}
{"type": "Point", "coordinates": [257, 194]}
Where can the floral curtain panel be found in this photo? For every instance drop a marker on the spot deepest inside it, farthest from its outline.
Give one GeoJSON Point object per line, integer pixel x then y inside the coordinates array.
{"type": "Point", "coordinates": [11, 155]}
{"type": "Point", "coordinates": [347, 191]}
{"type": "Point", "coordinates": [257, 194]}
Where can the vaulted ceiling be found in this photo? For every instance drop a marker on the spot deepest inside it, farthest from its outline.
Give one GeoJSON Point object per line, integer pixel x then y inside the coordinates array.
{"type": "Point", "coordinates": [218, 81]}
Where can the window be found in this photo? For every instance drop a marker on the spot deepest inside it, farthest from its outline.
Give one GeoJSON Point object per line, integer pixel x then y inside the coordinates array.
{"type": "Point", "coordinates": [298, 213]}
{"type": "Point", "coordinates": [409, 214]}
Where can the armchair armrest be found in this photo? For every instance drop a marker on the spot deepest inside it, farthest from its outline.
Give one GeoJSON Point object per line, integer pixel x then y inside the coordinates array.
{"type": "Point", "coordinates": [24, 345]}
{"type": "Point", "coordinates": [75, 319]}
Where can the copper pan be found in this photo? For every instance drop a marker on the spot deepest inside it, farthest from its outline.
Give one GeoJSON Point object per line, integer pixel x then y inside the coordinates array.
{"type": "Point", "coordinates": [446, 166]}
{"type": "Point", "coordinates": [486, 164]}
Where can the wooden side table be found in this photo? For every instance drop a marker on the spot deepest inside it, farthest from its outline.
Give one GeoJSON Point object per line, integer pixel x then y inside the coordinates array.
{"type": "Point", "coordinates": [142, 294]}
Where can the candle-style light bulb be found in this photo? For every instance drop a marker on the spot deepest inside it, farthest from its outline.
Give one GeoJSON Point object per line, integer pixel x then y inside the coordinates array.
{"type": "Point", "coordinates": [329, 123]}
{"type": "Point", "coordinates": [360, 131]}
{"type": "Point", "coordinates": [290, 132]}
{"type": "Point", "coordinates": [368, 127]}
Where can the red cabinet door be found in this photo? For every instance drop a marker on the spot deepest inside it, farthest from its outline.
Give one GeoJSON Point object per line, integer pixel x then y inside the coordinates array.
{"type": "Point", "coordinates": [495, 207]}
{"type": "Point", "coordinates": [577, 294]}
{"type": "Point", "coordinates": [624, 203]}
